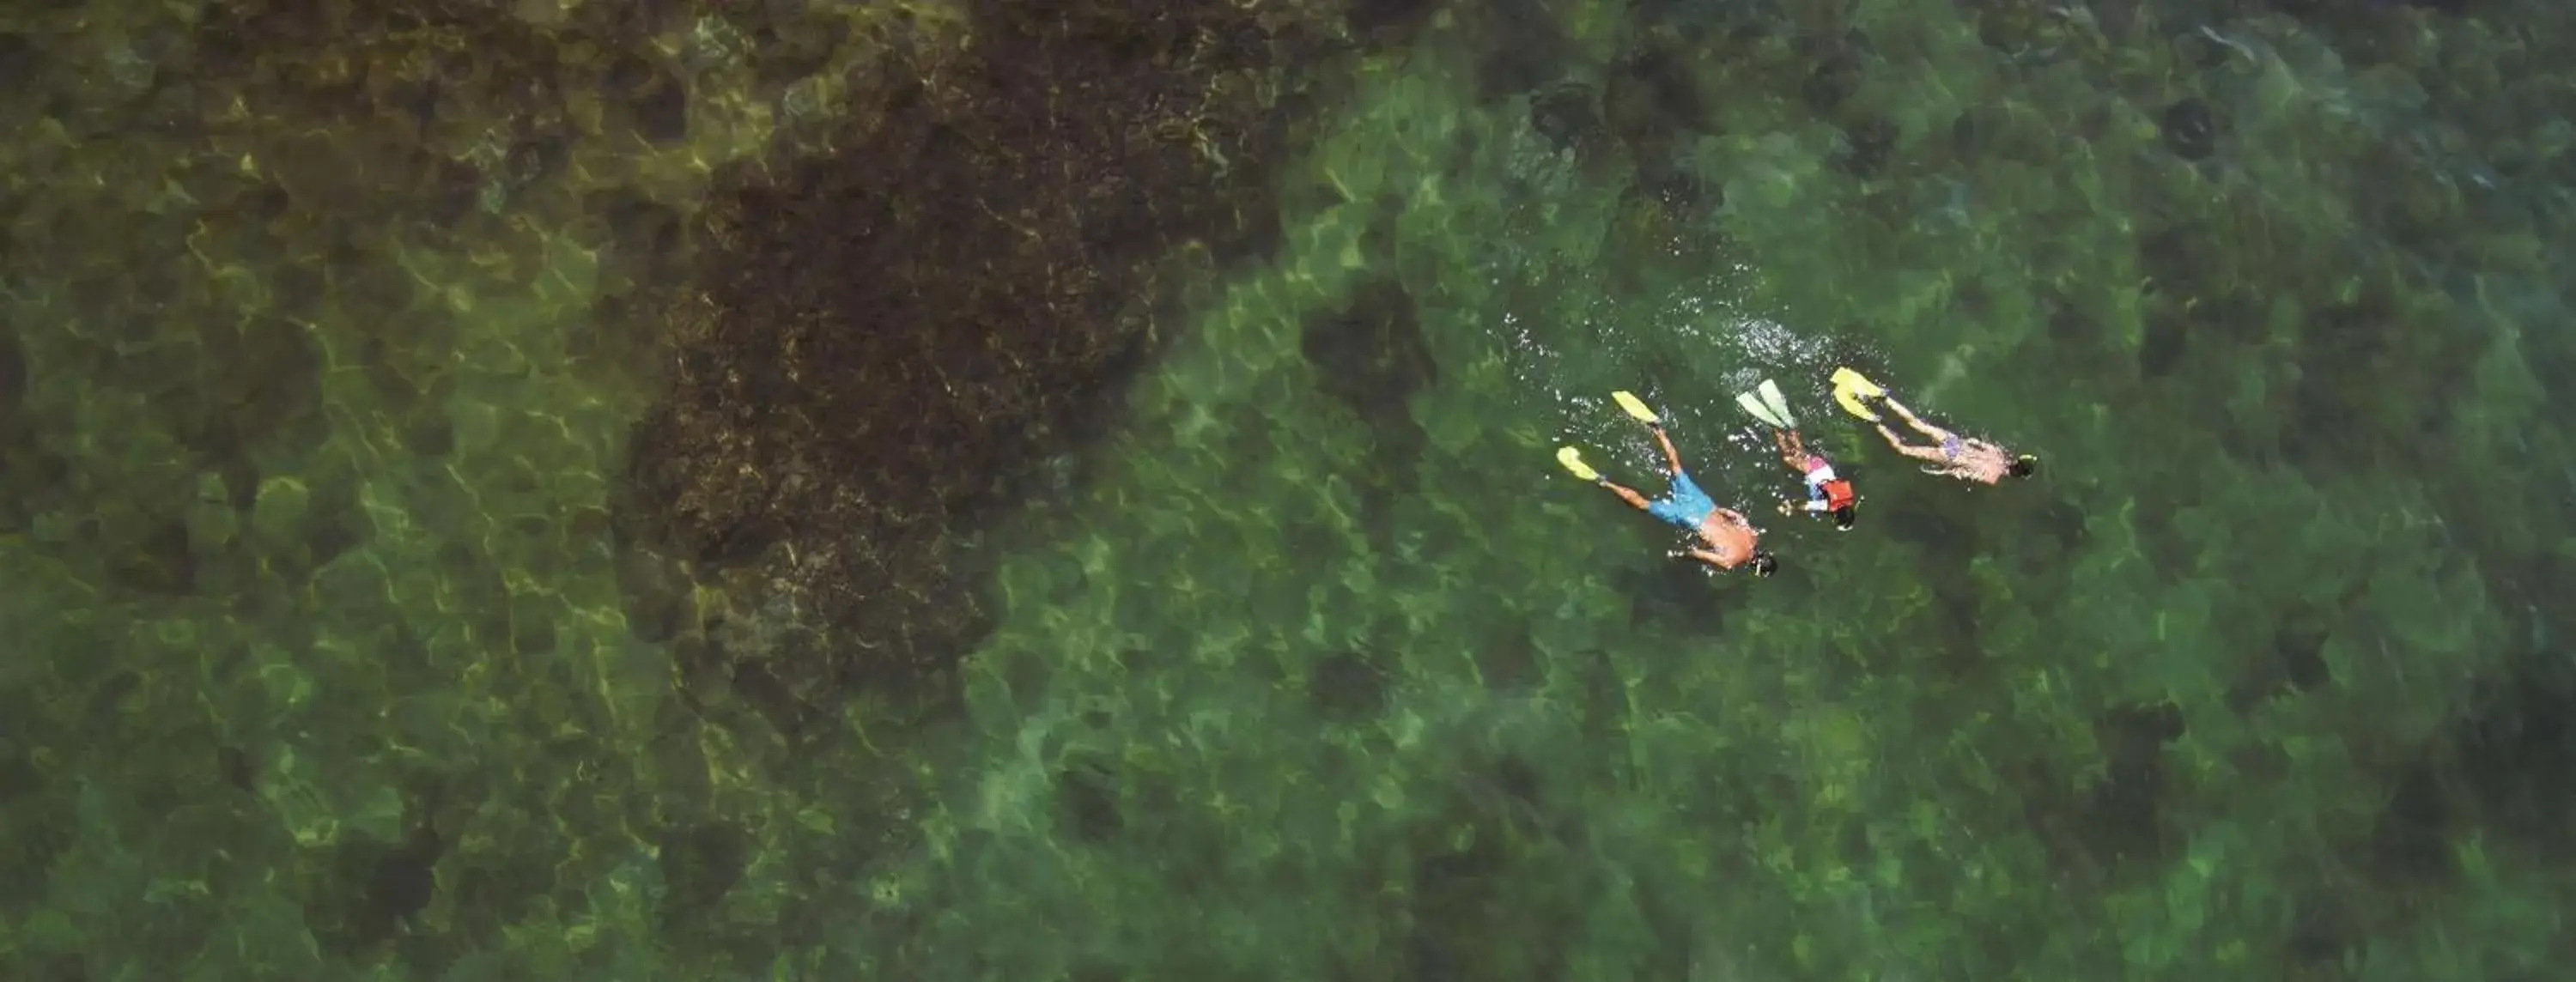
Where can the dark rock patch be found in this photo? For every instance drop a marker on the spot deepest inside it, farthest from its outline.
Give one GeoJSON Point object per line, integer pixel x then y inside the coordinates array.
{"type": "Point", "coordinates": [1866, 147]}
{"type": "Point", "coordinates": [1653, 94]}
{"type": "Point", "coordinates": [2003, 132]}
{"type": "Point", "coordinates": [2300, 651]}
{"type": "Point", "coordinates": [1088, 798]}
{"type": "Point", "coordinates": [13, 378]}
{"type": "Point", "coordinates": [2411, 841]}
{"type": "Point", "coordinates": [402, 881]}
{"type": "Point", "coordinates": [369, 891]}
{"type": "Point", "coordinates": [236, 769]}
{"type": "Point", "coordinates": [885, 344]}
{"type": "Point", "coordinates": [1508, 659]}
{"type": "Point", "coordinates": [2323, 926]}
{"type": "Point", "coordinates": [43, 823]}
{"type": "Point", "coordinates": [700, 865]}
{"type": "Point", "coordinates": [2161, 344]}
{"type": "Point", "coordinates": [1652, 107]}
{"type": "Point", "coordinates": [1475, 910]}
{"type": "Point", "coordinates": [1519, 47]}
{"type": "Point", "coordinates": [2126, 822]}
{"type": "Point", "coordinates": [161, 561]}
{"type": "Point", "coordinates": [2190, 128]}
{"type": "Point", "coordinates": [659, 110]}
{"type": "Point", "coordinates": [2194, 297]}
{"type": "Point", "coordinates": [2293, 662]}
{"type": "Point", "coordinates": [1567, 116]}
{"type": "Point", "coordinates": [2370, 368]}
{"type": "Point", "coordinates": [1836, 75]}
{"type": "Point", "coordinates": [1371, 357]}
{"type": "Point", "coordinates": [2116, 827]}
{"type": "Point", "coordinates": [1388, 22]}
{"type": "Point", "coordinates": [21, 60]}
{"type": "Point", "coordinates": [1603, 705]}
{"type": "Point", "coordinates": [2515, 750]}
{"type": "Point", "coordinates": [1347, 686]}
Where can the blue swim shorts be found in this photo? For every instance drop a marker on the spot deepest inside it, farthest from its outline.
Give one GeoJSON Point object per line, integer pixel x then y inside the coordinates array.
{"type": "Point", "coordinates": [1683, 504]}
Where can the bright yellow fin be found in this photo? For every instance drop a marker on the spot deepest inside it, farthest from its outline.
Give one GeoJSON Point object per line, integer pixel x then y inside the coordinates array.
{"type": "Point", "coordinates": [1851, 404]}
{"type": "Point", "coordinates": [1572, 459]}
{"type": "Point", "coordinates": [1635, 407]}
{"type": "Point", "coordinates": [1845, 378]}
{"type": "Point", "coordinates": [1850, 388]}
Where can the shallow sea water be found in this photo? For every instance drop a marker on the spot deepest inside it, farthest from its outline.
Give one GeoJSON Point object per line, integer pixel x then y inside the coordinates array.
{"type": "Point", "coordinates": [1317, 667]}
{"type": "Point", "coordinates": [2183, 706]}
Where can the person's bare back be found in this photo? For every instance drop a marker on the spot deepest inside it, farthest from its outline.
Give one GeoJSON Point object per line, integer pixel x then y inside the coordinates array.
{"type": "Point", "coordinates": [1966, 458]}
{"type": "Point", "coordinates": [1731, 539]}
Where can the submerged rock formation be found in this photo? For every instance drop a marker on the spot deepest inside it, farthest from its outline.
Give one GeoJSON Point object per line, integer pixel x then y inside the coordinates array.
{"type": "Point", "coordinates": [891, 330]}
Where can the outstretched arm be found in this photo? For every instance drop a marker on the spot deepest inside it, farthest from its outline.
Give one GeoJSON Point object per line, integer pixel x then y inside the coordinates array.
{"type": "Point", "coordinates": [1713, 560]}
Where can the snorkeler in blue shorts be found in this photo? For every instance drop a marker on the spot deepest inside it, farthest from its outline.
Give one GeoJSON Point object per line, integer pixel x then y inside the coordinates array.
{"type": "Point", "coordinates": [1730, 539]}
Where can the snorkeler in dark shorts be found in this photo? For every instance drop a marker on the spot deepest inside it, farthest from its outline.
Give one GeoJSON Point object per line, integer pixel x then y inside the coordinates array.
{"type": "Point", "coordinates": [1965, 458]}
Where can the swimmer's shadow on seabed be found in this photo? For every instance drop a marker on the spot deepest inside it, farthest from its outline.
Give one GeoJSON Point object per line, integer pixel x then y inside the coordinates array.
{"type": "Point", "coordinates": [1671, 592]}
{"type": "Point", "coordinates": [1948, 537]}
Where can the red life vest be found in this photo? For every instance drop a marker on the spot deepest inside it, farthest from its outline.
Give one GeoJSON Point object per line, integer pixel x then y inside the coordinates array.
{"type": "Point", "coordinates": [1838, 495]}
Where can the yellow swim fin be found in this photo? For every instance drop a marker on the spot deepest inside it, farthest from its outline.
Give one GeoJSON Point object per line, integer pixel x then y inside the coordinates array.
{"type": "Point", "coordinates": [1572, 460]}
{"type": "Point", "coordinates": [1850, 388]}
{"type": "Point", "coordinates": [1634, 406]}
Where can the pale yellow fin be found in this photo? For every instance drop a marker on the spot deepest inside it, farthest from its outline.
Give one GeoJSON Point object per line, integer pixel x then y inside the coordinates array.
{"type": "Point", "coordinates": [1635, 407]}
{"type": "Point", "coordinates": [1572, 460]}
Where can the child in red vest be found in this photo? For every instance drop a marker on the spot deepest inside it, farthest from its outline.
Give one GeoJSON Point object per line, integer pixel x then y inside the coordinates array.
{"type": "Point", "coordinates": [1826, 491]}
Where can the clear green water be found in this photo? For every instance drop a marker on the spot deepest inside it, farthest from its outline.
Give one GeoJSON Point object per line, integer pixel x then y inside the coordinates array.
{"type": "Point", "coordinates": [2259, 680]}
{"type": "Point", "coordinates": [1603, 767]}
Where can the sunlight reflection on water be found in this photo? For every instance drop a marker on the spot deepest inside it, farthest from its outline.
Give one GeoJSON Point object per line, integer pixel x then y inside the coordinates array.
{"type": "Point", "coordinates": [1686, 357]}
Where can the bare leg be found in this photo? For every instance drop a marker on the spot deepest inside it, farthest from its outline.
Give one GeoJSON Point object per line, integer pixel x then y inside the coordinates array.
{"type": "Point", "coordinates": [1634, 499]}
{"type": "Point", "coordinates": [1917, 422]}
{"type": "Point", "coordinates": [1895, 441]}
{"type": "Point", "coordinates": [1793, 450]}
{"type": "Point", "coordinates": [1672, 457]}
